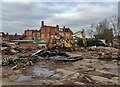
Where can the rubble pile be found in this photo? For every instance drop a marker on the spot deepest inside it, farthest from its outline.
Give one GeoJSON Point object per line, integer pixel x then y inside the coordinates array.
{"type": "Point", "coordinates": [50, 54]}
{"type": "Point", "coordinates": [103, 49]}
{"type": "Point", "coordinates": [15, 63]}
{"type": "Point", "coordinates": [7, 49]}
{"type": "Point", "coordinates": [119, 53]}
{"type": "Point", "coordinates": [91, 70]}
{"type": "Point", "coordinates": [46, 54]}
{"type": "Point", "coordinates": [56, 54]}
{"type": "Point", "coordinates": [11, 51]}
{"type": "Point", "coordinates": [105, 52]}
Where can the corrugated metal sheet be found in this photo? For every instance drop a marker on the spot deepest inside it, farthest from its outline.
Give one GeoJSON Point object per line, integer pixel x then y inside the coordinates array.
{"type": "Point", "coordinates": [31, 41]}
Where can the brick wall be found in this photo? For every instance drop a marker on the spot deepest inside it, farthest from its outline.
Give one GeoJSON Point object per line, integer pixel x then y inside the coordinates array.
{"type": "Point", "coordinates": [47, 31]}
{"type": "Point", "coordinates": [6, 38]}
{"type": "Point", "coordinates": [32, 34]}
{"type": "Point", "coordinates": [28, 45]}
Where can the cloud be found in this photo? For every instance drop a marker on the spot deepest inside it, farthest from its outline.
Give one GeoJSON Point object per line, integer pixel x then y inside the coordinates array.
{"type": "Point", "coordinates": [75, 15]}
{"type": "Point", "coordinates": [24, 1]}
{"type": "Point", "coordinates": [84, 14]}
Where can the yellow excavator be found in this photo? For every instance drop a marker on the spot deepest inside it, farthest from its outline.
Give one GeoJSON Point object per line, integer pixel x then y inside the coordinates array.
{"type": "Point", "coordinates": [68, 44]}
{"type": "Point", "coordinates": [54, 41]}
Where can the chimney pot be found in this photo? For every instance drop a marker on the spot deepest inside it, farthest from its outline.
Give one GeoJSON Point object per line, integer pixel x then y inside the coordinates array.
{"type": "Point", "coordinates": [57, 26]}
{"type": "Point", "coordinates": [42, 23]}
{"type": "Point", "coordinates": [7, 33]}
{"type": "Point", "coordinates": [15, 34]}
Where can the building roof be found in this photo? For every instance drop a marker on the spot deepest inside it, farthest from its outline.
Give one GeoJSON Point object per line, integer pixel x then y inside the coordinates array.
{"type": "Point", "coordinates": [31, 41]}
{"type": "Point", "coordinates": [68, 29]}
{"type": "Point", "coordinates": [1, 33]}
{"type": "Point", "coordinates": [49, 26]}
{"type": "Point", "coordinates": [16, 37]}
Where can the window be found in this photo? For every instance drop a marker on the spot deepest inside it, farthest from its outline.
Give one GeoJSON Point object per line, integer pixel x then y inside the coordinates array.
{"type": "Point", "coordinates": [48, 30]}
{"type": "Point", "coordinates": [60, 29]}
{"type": "Point", "coordinates": [67, 35]}
{"type": "Point", "coordinates": [42, 35]}
{"type": "Point", "coordinates": [53, 30]}
{"type": "Point", "coordinates": [30, 38]}
{"type": "Point", "coordinates": [27, 32]}
{"type": "Point", "coordinates": [30, 32]}
{"type": "Point", "coordinates": [62, 34]}
{"type": "Point", "coordinates": [43, 30]}
{"type": "Point", "coordinates": [48, 35]}
{"type": "Point", "coordinates": [34, 35]}
{"type": "Point", "coordinates": [38, 34]}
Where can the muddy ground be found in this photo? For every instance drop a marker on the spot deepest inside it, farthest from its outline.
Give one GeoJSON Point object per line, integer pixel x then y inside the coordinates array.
{"type": "Point", "coordinates": [89, 70]}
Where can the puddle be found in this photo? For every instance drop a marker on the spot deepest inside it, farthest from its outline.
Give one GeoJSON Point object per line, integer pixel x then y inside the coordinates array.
{"type": "Point", "coordinates": [38, 73]}
{"type": "Point", "coordinates": [43, 72]}
{"type": "Point", "coordinates": [23, 78]}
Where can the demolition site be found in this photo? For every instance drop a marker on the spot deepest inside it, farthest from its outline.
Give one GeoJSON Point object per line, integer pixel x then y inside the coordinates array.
{"type": "Point", "coordinates": [56, 56]}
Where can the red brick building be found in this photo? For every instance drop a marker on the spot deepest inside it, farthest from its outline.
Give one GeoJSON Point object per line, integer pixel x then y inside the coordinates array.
{"type": "Point", "coordinates": [46, 31]}
{"type": "Point", "coordinates": [32, 34]}
{"type": "Point", "coordinates": [7, 37]}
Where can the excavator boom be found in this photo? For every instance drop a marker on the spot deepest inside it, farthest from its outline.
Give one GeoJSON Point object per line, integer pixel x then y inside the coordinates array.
{"type": "Point", "coordinates": [68, 42]}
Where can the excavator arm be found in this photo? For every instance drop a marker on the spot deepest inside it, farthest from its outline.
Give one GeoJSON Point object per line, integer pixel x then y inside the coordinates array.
{"type": "Point", "coordinates": [82, 32]}
{"type": "Point", "coordinates": [68, 42]}
{"type": "Point", "coordinates": [84, 38]}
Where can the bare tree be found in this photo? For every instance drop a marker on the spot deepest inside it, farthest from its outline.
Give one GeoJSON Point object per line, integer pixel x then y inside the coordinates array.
{"type": "Point", "coordinates": [90, 32]}
{"type": "Point", "coordinates": [104, 30]}
{"type": "Point", "coordinates": [113, 21]}
{"type": "Point", "coordinates": [110, 23]}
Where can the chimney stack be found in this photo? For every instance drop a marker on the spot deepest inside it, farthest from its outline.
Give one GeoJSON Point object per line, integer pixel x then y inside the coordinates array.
{"type": "Point", "coordinates": [57, 26]}
{"type": "Point", "coordinates": [15, 34]}
{"type": "Point", "coordinates": [42, 23]}
{"type": "Point", "coordinates": [7, 33]}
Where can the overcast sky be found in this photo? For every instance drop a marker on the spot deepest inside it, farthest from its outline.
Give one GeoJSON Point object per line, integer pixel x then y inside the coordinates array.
{"type": "Point", "coordinates": [17, 16]}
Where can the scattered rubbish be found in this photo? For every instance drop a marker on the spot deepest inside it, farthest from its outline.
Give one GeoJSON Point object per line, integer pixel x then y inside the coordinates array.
{"type": "Point", "coordinates": [88, 74]}
{"type": "Point", "coordinates": [119, 54]}
{"type": "Point", "coordinates": [86, 79]}
{"type": "Point", "coordinates": [105, 56]}
{"type": "Point", "coordinates": [50, 54]}
{"type": "Point", "coordinates": [89, 71]}
{"type": "Point", "coordinates": [56, 54]}
{"type": "Point", "coordinates": [12, 49]}
{"type": "Point", "coordinates": [14, 67]}
{"type": "Point", "coordinates": [103, 49]}
{"type": "Point", "coordinates": [112, 70]}
{"type": "Point", "coordinates": [103, 80]}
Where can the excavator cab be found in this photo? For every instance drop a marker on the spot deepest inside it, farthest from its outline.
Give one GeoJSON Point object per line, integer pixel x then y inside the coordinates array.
{"type": "Point", "coordinates": [67, 43]}
{"type": "Point", "coordinates": [55, 41]}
